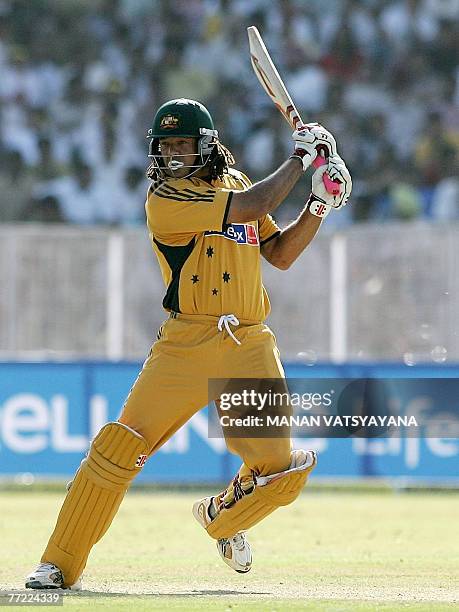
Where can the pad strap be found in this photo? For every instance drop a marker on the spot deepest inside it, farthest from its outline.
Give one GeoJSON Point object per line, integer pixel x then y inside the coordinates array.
{"type": "Point", "coordinates": [251, 498]}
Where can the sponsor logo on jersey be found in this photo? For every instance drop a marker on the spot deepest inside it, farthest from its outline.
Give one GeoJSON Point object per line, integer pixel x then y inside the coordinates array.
{"type": "Point", "coordinates": [242, 233]}
{"type": "Point", "coordinates": [169, 122]}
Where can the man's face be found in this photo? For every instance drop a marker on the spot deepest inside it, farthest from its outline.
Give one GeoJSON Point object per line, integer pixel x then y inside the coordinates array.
{"type": "Point", "coordinates": [174, 148]}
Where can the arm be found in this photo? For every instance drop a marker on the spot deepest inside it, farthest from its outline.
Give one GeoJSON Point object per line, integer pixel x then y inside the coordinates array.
{"type": "Point", "coordinates": [265, 196]}
{"type": "Point", "coordinates": [283, 250]}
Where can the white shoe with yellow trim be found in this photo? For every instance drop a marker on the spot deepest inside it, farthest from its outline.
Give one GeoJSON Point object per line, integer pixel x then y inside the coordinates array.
{"type": "Point", "coordinates": [49, 576]}
{"type": "Point", "coordinates": [234, 551]}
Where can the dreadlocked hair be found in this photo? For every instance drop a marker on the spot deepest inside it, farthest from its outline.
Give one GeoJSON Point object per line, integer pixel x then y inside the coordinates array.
{"type": "Point", "coordinates": [152, 172]}
{"type": "Point", "coordinates": [219, 161]}
{"type": "Point", "coordinates": [218, 164]}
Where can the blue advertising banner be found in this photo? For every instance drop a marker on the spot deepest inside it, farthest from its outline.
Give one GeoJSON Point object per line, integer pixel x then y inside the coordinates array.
{"type": "Point", "coordinates": [50, 411]}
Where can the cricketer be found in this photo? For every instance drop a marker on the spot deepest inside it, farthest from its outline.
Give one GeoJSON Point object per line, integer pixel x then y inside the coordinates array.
{"type": "Point", "coordinates": [209, 227]}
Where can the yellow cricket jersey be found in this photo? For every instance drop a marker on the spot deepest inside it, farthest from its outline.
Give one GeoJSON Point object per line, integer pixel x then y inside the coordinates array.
{"type": "Point", "coordinates": [208, 266]}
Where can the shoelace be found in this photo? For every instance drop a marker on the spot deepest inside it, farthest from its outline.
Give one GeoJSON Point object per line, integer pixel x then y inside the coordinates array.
{"type": "Point", "coordinates": [47, 566]}
{"type": "Point", "coordinates": [226, 321]}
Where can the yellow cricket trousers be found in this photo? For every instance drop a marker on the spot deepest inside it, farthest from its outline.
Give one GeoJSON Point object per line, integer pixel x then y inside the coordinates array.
{"type": "Point", "coordinates": [173, 383]}
{"type": "Point", "coordinates": [171, 387]}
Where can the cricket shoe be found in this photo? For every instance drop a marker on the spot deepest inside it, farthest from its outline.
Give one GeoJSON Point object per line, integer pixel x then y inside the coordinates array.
{"type": "Point", "coordinates": [49, 576]}
{"type": "Point", "coordinates": [234, 551]}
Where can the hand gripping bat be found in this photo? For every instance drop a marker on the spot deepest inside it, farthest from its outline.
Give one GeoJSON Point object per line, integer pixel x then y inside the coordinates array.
{"type": "Point", "coordinates": [272, 83]}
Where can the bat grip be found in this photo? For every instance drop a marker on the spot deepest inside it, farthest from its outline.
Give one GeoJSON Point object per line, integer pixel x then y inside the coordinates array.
{"type": "Point", "coordinates": [332, 187]}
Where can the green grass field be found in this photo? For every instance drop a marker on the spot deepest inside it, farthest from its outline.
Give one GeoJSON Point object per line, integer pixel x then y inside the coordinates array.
{"type": "Point", "coordinates": [329, 551]}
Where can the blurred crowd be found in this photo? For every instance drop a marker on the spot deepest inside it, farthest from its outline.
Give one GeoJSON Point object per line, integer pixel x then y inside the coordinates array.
{"type": "Point", "coordinates": [80, 81]}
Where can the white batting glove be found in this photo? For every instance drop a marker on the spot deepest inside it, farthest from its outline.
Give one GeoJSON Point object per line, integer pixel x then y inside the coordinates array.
{"type": "Point", "coordinates": [320, 201]}
{"type": "Point", "coordinates": [337, 171]}
{"type": "Point", "coordinates": [310, 140]}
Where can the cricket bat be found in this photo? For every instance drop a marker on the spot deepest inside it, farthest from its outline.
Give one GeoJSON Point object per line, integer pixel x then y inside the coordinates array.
{"type": "Point", "coordinates": [272, 83]}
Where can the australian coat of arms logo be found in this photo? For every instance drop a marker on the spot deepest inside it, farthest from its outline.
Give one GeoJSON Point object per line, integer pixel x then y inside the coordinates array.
{"type": "Point", "coordinates": [169, 122]}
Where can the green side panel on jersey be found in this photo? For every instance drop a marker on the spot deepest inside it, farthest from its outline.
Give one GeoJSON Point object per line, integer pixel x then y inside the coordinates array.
{"type": "Point", "coordinates": [176, 257]}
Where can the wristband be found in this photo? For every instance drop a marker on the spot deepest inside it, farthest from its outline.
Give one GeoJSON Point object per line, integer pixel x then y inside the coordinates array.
{"type": "Point", "coordinates": [318, 207]}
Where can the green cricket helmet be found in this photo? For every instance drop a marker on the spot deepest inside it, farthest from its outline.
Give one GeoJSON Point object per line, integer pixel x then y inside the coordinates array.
{"type": "Point", "coordinates": [186, 118]}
